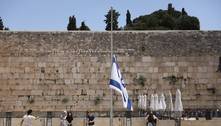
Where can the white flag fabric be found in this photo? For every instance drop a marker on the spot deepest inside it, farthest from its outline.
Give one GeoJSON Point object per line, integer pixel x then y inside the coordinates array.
{"type": "Point", "coordinates": [117, 83]}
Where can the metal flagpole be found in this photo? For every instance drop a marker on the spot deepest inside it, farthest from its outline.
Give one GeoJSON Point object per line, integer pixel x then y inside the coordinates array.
{"type": "Point", "coordinates": [111, 109]}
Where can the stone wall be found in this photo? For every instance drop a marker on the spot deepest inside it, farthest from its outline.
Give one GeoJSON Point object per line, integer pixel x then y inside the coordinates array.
{"type": "Point", "coordinates": [52, 71]}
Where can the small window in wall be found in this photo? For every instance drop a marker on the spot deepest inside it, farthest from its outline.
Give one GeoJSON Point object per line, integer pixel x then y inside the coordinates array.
{"type": "Point", "coordinates": [219, 66]}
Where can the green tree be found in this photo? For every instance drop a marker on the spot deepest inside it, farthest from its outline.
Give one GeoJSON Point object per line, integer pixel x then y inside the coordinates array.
{"type": "Point", "coordinates": [188, 23]}
{"type": "Point", "coordinates": [167, 22]}
{"type": "Point", "coordinates": [72, 23]}
{"type": "Point", "coordinates": [128, 18]}
{"type": "Point", "coordinates": [84, 27]}
{"type": "Point", "coordinates": [108, 20]}
{"type": "Point", "coordinates": [184, 12]}
{"type": "Point", "coordinates": [169, 19]}
{"type": "Point", "coordinates": [1, 24]}
{"type": "Point", "coordinates": [6, 28]}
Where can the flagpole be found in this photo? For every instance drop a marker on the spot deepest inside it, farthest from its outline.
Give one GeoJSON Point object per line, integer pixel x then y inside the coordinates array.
{"type": "Point", "coordinates": [111, 108]}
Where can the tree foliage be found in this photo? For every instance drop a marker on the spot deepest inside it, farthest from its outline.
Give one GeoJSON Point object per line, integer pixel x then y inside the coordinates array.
{"type": "Point", "coordinates": [72, 23]}
{"type": "Point", "coordinates": [6, 28]}
{"type": "Point", "coordinates": [184, 12]}
{"type": "Point", "coordinates": [187, 23]}
{"type": "Point", "coordinates": [169, 19]}
{"type": "Point", "coordinates": [128, 18]}
{"type": "Point", "coordinates": [108, 20]}
{"type": "Point", "coordinates": [2, 27]}
{"type": "Point", "coordinates": [84, 27]}
{"type": "Point", "coordinates": [1, 24]}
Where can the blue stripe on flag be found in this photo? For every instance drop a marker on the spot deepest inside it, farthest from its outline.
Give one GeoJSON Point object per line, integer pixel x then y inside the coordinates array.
{"type": "Point", "coordinates": [129, 105]}
{"type": "Point", "coordinates": [115, 84]}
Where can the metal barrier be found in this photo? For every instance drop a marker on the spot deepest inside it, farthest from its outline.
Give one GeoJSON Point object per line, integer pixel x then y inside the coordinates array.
{"type": "Point", "coordinates": [128, 118]}
{"type": "Point", "coordinates": [8, 119]}
{"type": "Point", "coordinates": [49, 119]}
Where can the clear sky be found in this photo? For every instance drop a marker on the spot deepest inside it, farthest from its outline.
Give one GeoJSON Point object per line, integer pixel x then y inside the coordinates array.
{"type": "Point", "coordinates": [52, 15]}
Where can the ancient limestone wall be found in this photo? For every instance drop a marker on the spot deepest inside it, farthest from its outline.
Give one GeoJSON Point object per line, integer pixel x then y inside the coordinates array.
{"type": "Point", "coordinates": [52, 71]}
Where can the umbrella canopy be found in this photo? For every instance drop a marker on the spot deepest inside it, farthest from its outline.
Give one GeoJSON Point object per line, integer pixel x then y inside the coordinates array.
{"type": "Point", "coordinates": [139, 101]}
{"type": "Point", "coordinates": [170, 102]}
{"type": "Point", "coordinates": [144, 102]}
{"type": "Point", "coordinates": [163, 101]}
{"type": "Point", "coordinates": [178, 102]}
{"type": "Point", "coordinates": [160, 103]}
{"type": "Point", "coordinates": [152, 103]}
{"type": "Point", "coordinates": [156, 104]}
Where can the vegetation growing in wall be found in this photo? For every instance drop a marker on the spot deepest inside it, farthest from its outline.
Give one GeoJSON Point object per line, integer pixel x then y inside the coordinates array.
{"type": "Point", "coordinates": [173, 79]}
{"type": "Point", "coordinates": [97, 100]}
{"type": "Point", "coordinates": [213, 90]}
{"type": "Point", "coordinates": [65, 100]}
{"type": "Point", "coordinates": [140, 80]}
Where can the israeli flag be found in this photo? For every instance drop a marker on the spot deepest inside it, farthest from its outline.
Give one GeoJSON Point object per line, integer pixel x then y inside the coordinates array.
{"type": "Point", "coordinates": [117, 83]}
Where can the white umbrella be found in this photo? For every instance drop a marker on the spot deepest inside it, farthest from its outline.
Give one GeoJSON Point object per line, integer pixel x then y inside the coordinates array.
{"type": "Point", "coordinates": [160, 103]}
{"type": "Point", "coordinates": [163, 101]}
{"type": "Point", "coordinates": [145, 102]}
{"type": "Point", "coordinates": [178, 102]}
{"type": "Point", "coordinates": [170, 102]}
{"type": "Point", "coordinates": [156, 106]}
{"type": "Point", "coordinates": [139, 101]}
{"type": "Point", "coordinates": [152, 102]}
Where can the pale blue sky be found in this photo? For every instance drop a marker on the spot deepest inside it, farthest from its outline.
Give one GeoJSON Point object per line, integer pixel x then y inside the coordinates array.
{"type": "Point", "coordinates": [52, 15]}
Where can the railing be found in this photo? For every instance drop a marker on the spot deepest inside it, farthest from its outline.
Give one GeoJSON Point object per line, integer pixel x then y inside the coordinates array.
{"type": "Point", "coordinates": [123, 118]}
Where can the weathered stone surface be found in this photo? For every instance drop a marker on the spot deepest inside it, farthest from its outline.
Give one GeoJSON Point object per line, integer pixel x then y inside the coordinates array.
{"type": "Point", "coordinates": [72, 69]}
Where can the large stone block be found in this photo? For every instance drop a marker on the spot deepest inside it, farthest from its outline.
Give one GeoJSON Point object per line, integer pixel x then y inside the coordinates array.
{"type": "Point", "coordinates": [36, 92]}
{"type": "Point", "coordinates": [147, 59]}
